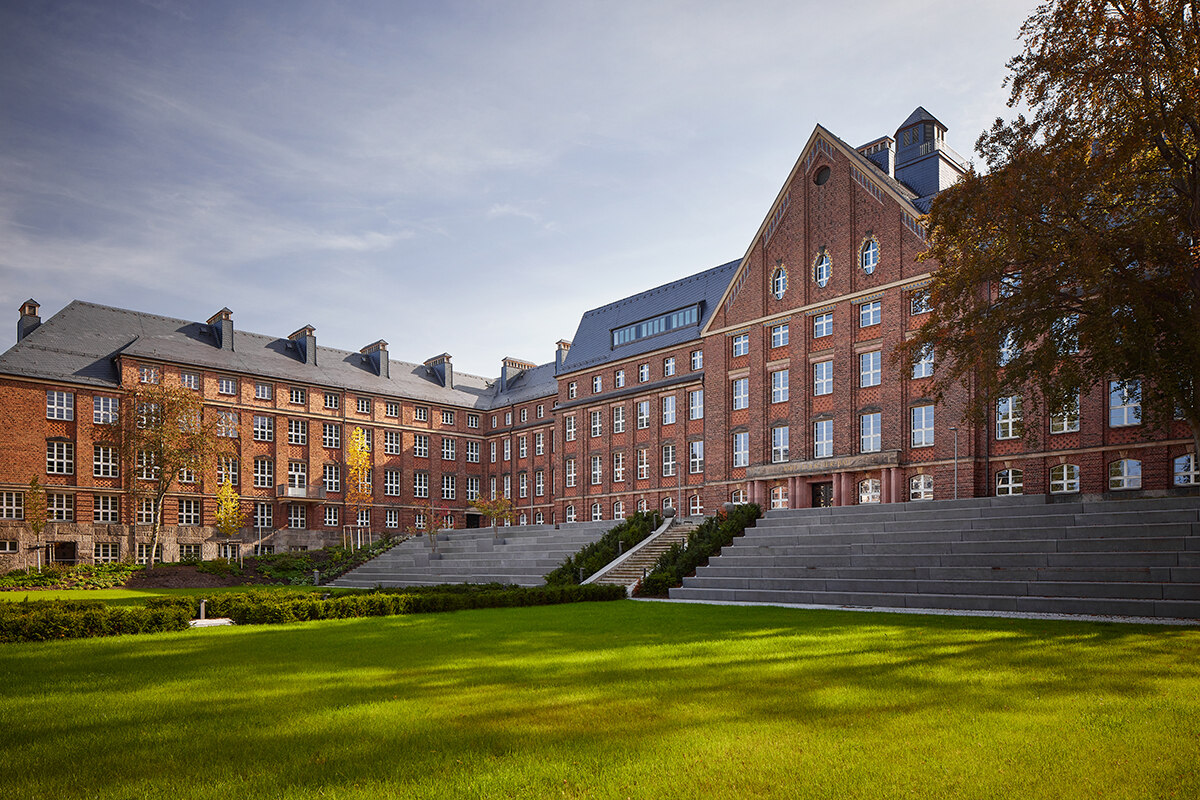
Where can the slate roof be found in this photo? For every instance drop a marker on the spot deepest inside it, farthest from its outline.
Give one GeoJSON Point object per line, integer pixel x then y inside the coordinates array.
{"type": "Point", "coordinates": [919, 115]}
{"type": "Point", "coordinates": [592, 344]}
{"type": "Point", "coordinates": [80, 343]}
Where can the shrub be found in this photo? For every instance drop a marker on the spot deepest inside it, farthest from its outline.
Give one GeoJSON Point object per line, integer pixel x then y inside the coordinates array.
{"type": "Point", "coordinates": [56, 619]}
{"type": "Point", "coordinates": [594, 557]}
{"type": "Point", "coordinates": [682, 560]}
{"type": "Point", "coordinates": [83, 576]}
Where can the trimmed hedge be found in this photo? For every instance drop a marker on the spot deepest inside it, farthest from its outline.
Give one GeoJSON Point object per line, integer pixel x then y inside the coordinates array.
{"type": "Point", "coordinates": [83, 576]}
{"type": "Point", "coordinates": [593, 557]}
{"type": "Point", "coordinates": [58, 619]}
{"type": "Point", "coordinates": [682, 560]}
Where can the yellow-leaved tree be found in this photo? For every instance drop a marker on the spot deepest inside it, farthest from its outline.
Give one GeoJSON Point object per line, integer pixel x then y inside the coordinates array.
{"type": "Point", "coordinates": [358, 476]}
{"type": "Point", "coordinates": [499, 508]}
{"type": "Point", "coordinates": [230, 517]}
{"type": "Point", "coordinates": [35, 513]}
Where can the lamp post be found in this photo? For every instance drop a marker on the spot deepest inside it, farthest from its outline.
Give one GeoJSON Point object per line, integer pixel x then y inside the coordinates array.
{"type": "Point", "coordinates": [955, 429]}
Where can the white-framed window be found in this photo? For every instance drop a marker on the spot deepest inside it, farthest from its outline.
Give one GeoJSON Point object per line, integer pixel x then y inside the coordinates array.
{"type": "Point", "coordinates": [508, 449]}
{"type": "Point", "coordinates": [741, 449]}
{"type": "Point", "coordinates": [779, 386]}
{"type": "Point", "coordinates": [643, 463]}
{"type": "Point", "coordinates": [263, 391]}
{"type": "Point", "coordinates": [1009, 482]}
{"type": "Point", "coordinates": [227, 424]}
{"type": "Point", "coordinates": [618, 467]}
{"type": "Point", "coordinates": [364, 518]}
{"type": "Point", "coordinates": [331, 435]}
{"type": "Point", "coordinates": [297, 474]}
{"type": "Point", "coordinates": [104, 461]}
{"type": "Point", "coordinates": [823, 438]}
{"type": "Point", "coordinates": [870, 432]}
{"type": "Point", "coordinates": [331, 477]}
{"type": "Point", "coordinates": [869, 491]}
{"type": "Point", "coordinates": [420, 484]}
{"type": "Point", "coordinates": [918, 302]}
{"type": "Point", "coordinates": [822, 269]}
{"type": "Point", "coordinates": [541, 411]}
{"type": "Point", "coordinates": [187, 475]}
{"type": "Point", "coordinates": [145, 511]}
{"type": "Point", "coordinates": [421, 413]}
{"type": "Point", "coordinates": [668, 366]}
{"type": "Point", "coordinates": [822, 378]}
{"type": "Point", "coordinates": [1064, 479]}
{"type": "Point", "coordinates": [147, 465]}
{"type": "Point", "coordinates": [779, 283]}
{"type": "Point", "coordinates": [419, 521]}
{"type": "Point", "coordinates": [110, 552]}
{"type": "Point", "coordinates": [696, 457]}
{"type": "Point", "coordinates": [508, 486]}
{"type": "Point", "coordinates": [643, 414]}
{"type": "Point", "coordinates": [363, 405]}
{"type": "Point", "coordinates": [148, 374]}
{"type": "Point", "coordinates": [449, 487]}
{"type": "Point", "coordinates": [106, 508]}
{"type": "Point", "coordinates": [779, 497]}
{"type": "Point", "coordinates": [297, 517]}
{"type": "Point", "coordinates": [447, 417]}
{"type": "Point", "coordinates": [569, 424]}
{"type": "Point", "coordinates": [391, 443]}
{"type": "Point", "coordinates": [597, 513]}
{"type": "Point", "coordinates": [264, 473]}
{"type": "Point", "coordinates": [779, 335]}
{"type": "Point", "coordinates": [920, 487]}
{"type": "Point", "coordinates": [539, 439]}
{"type": "Point", "coordinates": [741, 344]}
{"type": "Point", "coordinates": [12, 505]}
{"type": "Point", "coordinates": [597, 471]}
{"type": "Point", "coordinates": [524, 415]}
{"type": "Point", "coordinates": [642, 505]}
{"type": "Point", "coordinates": [104, 410]}
{"type": "Point", "coordinates": [391, 482]}
{"type": "Point", "coordinates": [572, 390]}
{"type": "Point", "coordinates": [472, 420]}
{"type": "Point", "coordinates": [668, 460]}
{"type": "Point", "coordinates": [420, 445]}
{"type": "Point", "coordinates": [697, 360]}
{"type": "Point", "coordinates": [1008, 417]}
{"type": "Point", "coordinates": [668, 502]}
{"type": "Point", "coordinates": [923, 364]}
{"type": "Point", "coordinates": [668, 410]}
{"type": "Point", "coordinates": [189, 511]}
{"type": "Point", "coordinates": [1184, 471]}
{"type": "Point", "coordinates": [869, 368]}
{"type": "Point", "coordinates": [569, 513]}
{"type": "Point", "coordinates": [264, 428]}
{"type": "Point", "coordinates": [1124, 403]}
{"type": "Point", "coordinates": [143, 553]}
{"type": "Point", "coordinates": [331, 516]}
{"type": "Point", "coordinates": [869, 256]}
{"type": "Point", "coordinates": [472, 488]}
{"type": "Point", "coordinates": [391, 518]}
{"type": "Point", "coordinates": [539, 483]}
{"type": "Point", "coordinates": [597, 384]}
{"type": "Point", "coordinates": [737, 496]}
{"type": "Point", "coordinates": [779, 443]}
{"type": "Point", "coordinates": [332, 401]}
{"type": "Point", "coordinates": [297, 431]}
{"type": "Point", "coordinates": [618, 510]}
{"type": "Point", "coordinates": [922, 426]}
{"type": "Point", "coordinates": [472, 451]}
{"type": "Point", "coordinates": [695, 506]}
{"type": "Point", "coordinates": [570, 477]}
{"type": "Point", "coordinates": [619, 379]}
{"type": "Point", "coordinates": [1066, 420]}
{"type": "Point", "coordinates": [870, 314]}
{"type": "Point", "coordinates": [225, 384]}
{"type": "Point", "coordinates": [618, 414]}
{"type": "Point", "coordinates": [696, 404]}
{"type": "Point", "coordinates": [60, 405]}
{"type": "Point", "coordinates": [60, 458]}
{"type": "Point", "coordinates": [823, 325]}
{"type": "Point", "coordinates": [297, 395]}
{"type": "Point", "coordinates": [449, 450]}
{"type": "Point", "coordinates": [1125, 474]}
{"type": "Point", "coordinates": [741, 393]}
{"type": "Point", "coordinates": [643, 373]}
{"type": "Point", "coordinates": [228, 469]}
{"type": "Point", "coordinates": [597, 424]}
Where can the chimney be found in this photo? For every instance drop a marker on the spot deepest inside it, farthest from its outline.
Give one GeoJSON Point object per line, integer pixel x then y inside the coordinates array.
{"type": "Point", "coordinates": [305, 340]}
{"type": "Point", "coordinates": [440, 366]}
{"type": "Point", "coordinates": [29, 319]}
{"type": "Point", "coordinates": [222, 325]}
{"type": "Point", "coordinates": [511, 368]}
{"type": "Point", "coordinates": [378, 355]}
{"type": "Point", "coordinates": [560, 355]}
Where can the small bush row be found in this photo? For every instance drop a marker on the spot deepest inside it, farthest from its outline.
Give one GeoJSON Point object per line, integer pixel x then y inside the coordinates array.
{"type": "Point", "coordinates": [593, 557]}
{"type": "Point", "coordinates": [83, 576]}
{"type": "Point", "coordinates": [57, 619]}
{"type": "Point", "coordinates": [682, 560]}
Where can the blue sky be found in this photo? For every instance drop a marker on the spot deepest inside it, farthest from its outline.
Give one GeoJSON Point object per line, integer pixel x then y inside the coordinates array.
{"type": "Point", "coordinates": [461, 177]}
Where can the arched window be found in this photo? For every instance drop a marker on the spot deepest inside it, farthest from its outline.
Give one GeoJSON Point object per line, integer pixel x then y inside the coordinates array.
{"type": "Point", "coordinates": [618, 510]}
{"type": "Point", "coordinates": [1064, 479]}
{"type": "Point", "coordinates": [779, 283]}
{"type": "Point", "coordinates": [1125, 474]}
{"type": "Point", "coordinates": [1010, 481]}
{"type": "Point", "coordinates": [920, 487]}
{"type": "Point", "coordinates": [570, 514]}
{"type": "Point", "coordinates": [1185, 470]}
{"type": "Point", "coordinates": [597, 514]}
{"type": "Point", "coordinates": [524, 519]}
{"type": "Point", "coordinates": [822, 268]}
{"type": "Point", "coordinates": [779, 497]}
{"type": "Point", "coordinates": [738, 497]}
{"type": "Point", "coordinates": [869, 257]}
{"type": "Point", "coordinates": [643, 506]}
{"type": "Point", "coordinates": [668, 502]}
{"type": "Point", "coordinates": [695, 507]}
{"type": "Point", "coordinates": [868, 491]}
{"type": "Point", "coordinates": [539, 518]}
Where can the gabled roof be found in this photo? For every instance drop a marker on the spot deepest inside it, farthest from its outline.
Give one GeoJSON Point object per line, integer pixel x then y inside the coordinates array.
{"type": "Point", "coordinates": [592, 344]}
{"type": "Point", "coordinates": [80, 344]}
{"type": "Point", "coordinates": [919, 115]}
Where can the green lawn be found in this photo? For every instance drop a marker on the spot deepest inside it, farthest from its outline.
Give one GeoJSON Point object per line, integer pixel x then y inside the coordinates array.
{"type": "Point", "coordinates": [610, 700]}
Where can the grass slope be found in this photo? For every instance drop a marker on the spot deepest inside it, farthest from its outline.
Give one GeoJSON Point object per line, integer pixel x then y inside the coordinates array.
{"type": "Point", "coordinates": [608, 700]}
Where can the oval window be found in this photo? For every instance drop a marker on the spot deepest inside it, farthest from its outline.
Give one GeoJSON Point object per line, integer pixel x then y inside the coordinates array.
{"type": "Point", "coordinates": [821, 176]}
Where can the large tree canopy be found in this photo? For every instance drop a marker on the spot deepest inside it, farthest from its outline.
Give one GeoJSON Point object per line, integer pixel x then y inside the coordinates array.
{"type": "Point", "coordinates": [1075, 256]}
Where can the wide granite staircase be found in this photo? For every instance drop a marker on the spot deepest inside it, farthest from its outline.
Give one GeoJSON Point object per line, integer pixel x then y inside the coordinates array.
{"type": "Point", "coordinates": [629, 570]}
{"type": "Point", "coordinates": [1137, 557]}
{"type": "Point", "coordinates": [522, 556]}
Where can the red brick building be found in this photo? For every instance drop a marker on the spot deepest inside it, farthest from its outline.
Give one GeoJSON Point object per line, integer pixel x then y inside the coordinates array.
{"type": "Point", "coordinates": [768, 379]}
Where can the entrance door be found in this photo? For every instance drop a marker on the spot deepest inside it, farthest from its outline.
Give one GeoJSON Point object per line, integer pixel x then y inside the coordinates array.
{"type": "Point", "coordinates": [822, 495]}
{"type": "Point", "coordinates": [61, 552]}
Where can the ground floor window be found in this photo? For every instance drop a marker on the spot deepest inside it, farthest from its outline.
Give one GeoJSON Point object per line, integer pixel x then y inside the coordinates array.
{"type": "Point", "coordinates": [1064, 479]}
{"type": "Point", "coordinates": [264, 549]}
{"type": "Point", "coordinates": [60, 507]}
{"type": "Point", "coordinates": [106, 552]}
{"type": "Point", "coordinates": [143, 553]}
{"type": "Point", "coordinates": [539, 518]}
{"type": "Point", "coordinates": [779, 497]}
{"type": "Point", "coordinates": [189, 552]}
{"type": "Point", "coordinates": [920, 487]}
{"type": "Point", "coordinates": [695, 506]}
{"type": "Point", "coordinates": [1125, 474]}
{"type": "Point", "coordinates": [570, 513]}
{"type": "Point", "coordinates": [297, 516]}
{"type": "Point", "coordinates": [618, 510]}
{"type": "Point", "coordinates": [597, 514]}
{"type": "Point", "coordinates": [391, 518]}
{"type": "Point", "coordinates": [228, 550]}
{"type": "Point", "coordinates": [668, 502]}
{"type": "Point", "coordinates": [298, 548]}
{"type": "Point", "coordinates": [105, 508]}
{"type": "Point", "coordinates": [738, 496]}
{"type": "Point", "coordinates": [869, 491]}
{"type": "Point", "coordinates": [1185, 470]}
{"type": "Point", "coordinates": [1009, 482]}
{"type": "Point", "coordinates": [9, 546]}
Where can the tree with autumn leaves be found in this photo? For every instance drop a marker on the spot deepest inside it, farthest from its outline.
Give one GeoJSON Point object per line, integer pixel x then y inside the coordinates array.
{"type": "Point", "coordinates": [497, 509]}
{"type": "Point", "coordinates": [358, 475]}
{"type": "Point", "coordinates": [1075, 256]}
